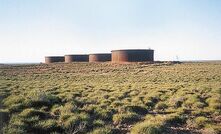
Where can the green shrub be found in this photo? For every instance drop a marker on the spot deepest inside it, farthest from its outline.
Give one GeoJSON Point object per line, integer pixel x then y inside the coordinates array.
{"type": "Point", "coordinates": [13, 130]}
{"type": "Point", "coordinates": [199, 105]}
{"type": "Point", "coordinates": [137, 109]}
{"type": "Point", "coordinates": [16, 107]}
{"type": "Point", "coordinates": [117, 104]}
{"type": "Point", "coordinates": [161, 106]}
{"type": "Point", "coordinates": [198, 122]}
{"type": "Point", "coordinates": [212, 129]}
{"type": "Point", "coordinates": [105, 130]}
{"type": "Point", "coordinates": [16, 125]}
{"type": "Point", "coordinates": [98, 123]}
{"type": "Point", "coordinates": [147, 127]}
{"type": "Point", "coordinates": [175, 119]}
{"type": "Point", "coordinates": [47, 125]}
{"type": "Point", "coordinates": [12, 100]}
{"type": "Point", "coordinates": [191, 101]}
{"type": "Point", "coordinates": [32, 112]}
{"type": "Point", "coordinates": [214, 103]}
{"type": "Point", "coordinates": [73, 120]}
{"type": "Point", "coordinates": [40, 98]}
{"type": "Point", "coordinates": [201, 121]}
{"type": "Point", "coordinates": [127, 118]}
{"type": "Point", "coordinates": [68, 108]}
{"type": "Point", "coordinates": [103, 114]}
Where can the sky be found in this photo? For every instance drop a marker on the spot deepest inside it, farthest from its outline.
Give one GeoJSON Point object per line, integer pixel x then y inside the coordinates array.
{"type": "Point", "coordinates": [183, 29]}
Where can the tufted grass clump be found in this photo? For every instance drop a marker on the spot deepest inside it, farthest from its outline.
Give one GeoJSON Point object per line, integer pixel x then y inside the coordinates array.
{"type": "Point", "coordinates": [212, 129]}
{"type": "Point", "coordinates": [147, 127]}
{"type": "Point", "coordinates": [121, 118]}
{"type": "Point", "coordinates": [47, 126]}
{"type": "Point", "coordinates": [98, 123]}
{"type": "Point", "coordinates": [14, 103]}
{"type": "Point", "coordinates": [137, 109]}
{"type": "Point", "coordinates": [30, 112]}
{"type": "Point", "coordinates": [38, 98]}
{"type": "Point", "coordinates": [103, 114]}
{"type": "Point", "coordinates": [201, 121]}
{"type": "Point", "coordinates": [11, 100]}
{"type": "Point", "coordinates": [214, 103]}
{"type": "Point", "coordinates": [72, 122]}
{"type": "Point", "coordinates": [104, 130]}
{"type": "Point", "coordinates": [161, 106]}
{"type": "Point", "coordinates": [18, 124]}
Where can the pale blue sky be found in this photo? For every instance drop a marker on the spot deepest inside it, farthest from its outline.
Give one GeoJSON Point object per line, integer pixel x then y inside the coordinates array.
{"type": "Point", "coordinates": [32, 29]}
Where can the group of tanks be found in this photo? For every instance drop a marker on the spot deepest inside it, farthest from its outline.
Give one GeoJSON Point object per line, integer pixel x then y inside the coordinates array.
{"type": "Point", "coordinates": [116, 56]}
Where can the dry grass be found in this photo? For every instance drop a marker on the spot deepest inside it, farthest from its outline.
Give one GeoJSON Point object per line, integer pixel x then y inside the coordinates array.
{"type": "Point", "coordinates": [111, 98]}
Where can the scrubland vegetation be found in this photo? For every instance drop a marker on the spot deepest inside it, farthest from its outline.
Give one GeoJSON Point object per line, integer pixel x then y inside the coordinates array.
{"type": "Point", "coordinates": [104, 98]}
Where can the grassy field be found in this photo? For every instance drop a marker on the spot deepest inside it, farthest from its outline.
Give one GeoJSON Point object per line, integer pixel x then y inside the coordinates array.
{"type": "Point", "coordinates": [106, 98]}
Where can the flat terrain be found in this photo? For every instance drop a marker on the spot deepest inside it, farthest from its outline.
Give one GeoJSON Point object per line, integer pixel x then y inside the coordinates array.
{"type": "Point", "coordinates": [105, 98]}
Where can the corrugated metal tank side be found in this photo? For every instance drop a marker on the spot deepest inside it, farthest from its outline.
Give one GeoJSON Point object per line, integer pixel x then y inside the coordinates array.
{"type": "Point", "coordinates": [53, 59]}
{"type": "Point", "coordinates": [76, 58]}
{"type": "Point", "coordinates": [99, 57]}
{"type": "Point", "coordinates": [132, 55]}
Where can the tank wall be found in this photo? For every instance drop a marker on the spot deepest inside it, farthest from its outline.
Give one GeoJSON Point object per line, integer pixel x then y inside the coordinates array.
{"type": "Point", "coordinates": [76, 58]}
{"type": "Point", "coordinates": [54, 59]}
{"type": "Point", "coordinates": [99, 57]}
{"type": "Point", "coordinates": [132, 55]}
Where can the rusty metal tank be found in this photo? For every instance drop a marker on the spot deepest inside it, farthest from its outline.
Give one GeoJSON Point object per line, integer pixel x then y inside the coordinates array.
{"type": "Point", "coordinates": [101, 57]}
{"type": "Point", "coordinates": [76, 58]}
{"type": "Point", "coordinates": [132, 55]}
{"type": "Point", "coordinates": [53, 59]}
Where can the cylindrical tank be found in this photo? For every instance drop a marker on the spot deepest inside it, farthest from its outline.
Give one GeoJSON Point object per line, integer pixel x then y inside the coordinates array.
{"type": "Point", "coordinates": [53, 59]}
{"type": "Point", "coordinates": [132, 55]}
{"type": "Point", "coordinates": [76, 58]}
{"type": "Point", "coordinates": [102, 57]}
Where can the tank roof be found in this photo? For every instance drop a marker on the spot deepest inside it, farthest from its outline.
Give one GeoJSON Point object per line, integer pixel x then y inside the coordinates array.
{"type": "Point", "coordinates": [99, 53]}
{"type": "Point", "coordinates": [133, 50]}
{"type": "Point", "coordinates": [75, 54]}
{"type": "Point", "coordinates": [54, 56]}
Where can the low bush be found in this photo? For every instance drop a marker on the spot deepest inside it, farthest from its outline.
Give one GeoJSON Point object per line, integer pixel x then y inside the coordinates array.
{"type": "Point", "coordinates": [127, 118]}
{"type": "Point", "coordinates": [16, 125]}
{"type": "Point", "coordinates": [29, 112]}
{"type": "Point", "coordinates": [16, 107]}
{"type": "Point", "coordinates": [201, 121]}
{"type": "Point", "coordinates": [212, 129]}
{"type": "Point", "coordinates": [98, 123]}
{"type": "Point", "coordinates": [147, 127]}
{"type": "Point", "coordinates": [137, 109]}
{"type": "Point", "coordinates": [161, 106]}
{"type": "Point", "coordinates": [74, 120]}
{"type": "Point", "coordinates": [48, 126]}
{"type": "Point", "coordinates": [214, 103]}
{"type": "Point", "coordinates": [198, 122]}
{"type": "Point", "coordinates": [103, 114]}
{"type": "Point", "coordinates": [12, 100]}
{"type": "Point", "coordinates": [175, 119]}
{"type": "Point", "coordinates": [105, 130]}
{"type": "Point", "coordinates": [39, 98]}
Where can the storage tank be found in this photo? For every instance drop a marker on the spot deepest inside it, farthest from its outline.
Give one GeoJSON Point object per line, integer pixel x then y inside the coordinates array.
{"type": "Point", "coordinates": [53, 59]}
{"type": "Point", "coordinates": [76, 58]}
{"type": "Point", "coordinates": [132, 55]}
{"type": "Point", "coordinates": [102, 57]}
